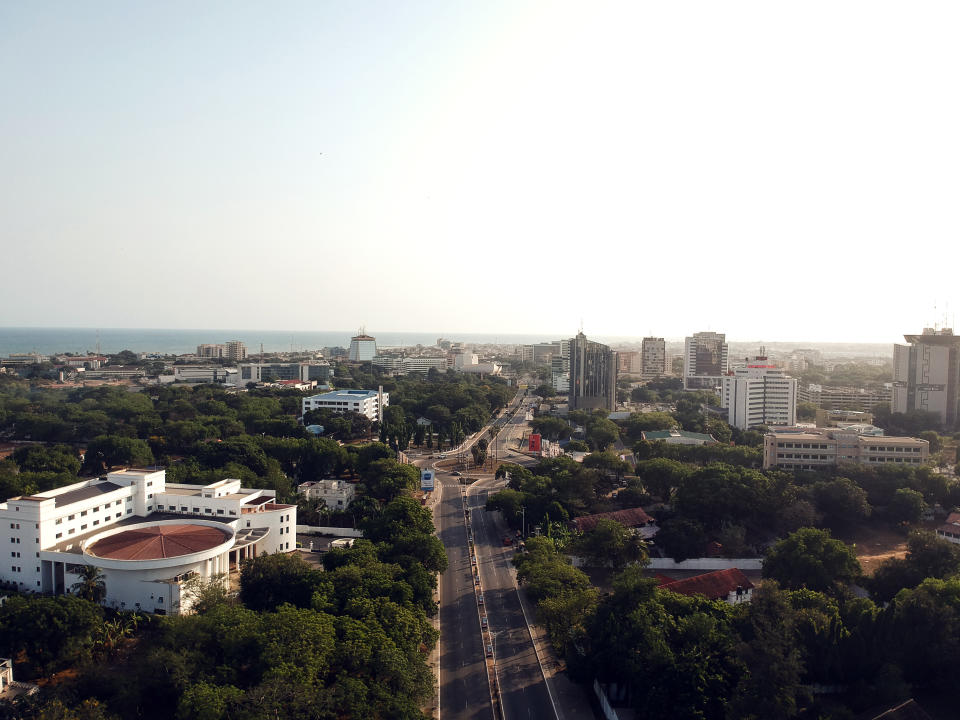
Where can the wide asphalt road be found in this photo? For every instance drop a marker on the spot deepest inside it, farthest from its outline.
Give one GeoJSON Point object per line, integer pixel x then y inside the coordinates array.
{"type": "Point", "coordinates": [523, 689]}
{"type": "Point", "coordinates": [464, 689]}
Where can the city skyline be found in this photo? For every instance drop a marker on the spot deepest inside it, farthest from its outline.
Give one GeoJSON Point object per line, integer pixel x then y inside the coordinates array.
{"type": "Point", "coordinates": [752, 169]}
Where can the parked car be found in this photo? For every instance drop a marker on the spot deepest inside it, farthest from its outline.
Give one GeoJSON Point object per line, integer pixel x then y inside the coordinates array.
{"type": "Point", "coordinates": [480, 599]}
{"type": "Point", "coordinates": [489, 650]}
{"type": "Point", "coordinates": [483, 622]}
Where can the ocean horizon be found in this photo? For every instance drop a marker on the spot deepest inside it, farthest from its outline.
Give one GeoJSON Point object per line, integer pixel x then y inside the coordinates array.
{"type": "Point", "coordinates": [171, 341]}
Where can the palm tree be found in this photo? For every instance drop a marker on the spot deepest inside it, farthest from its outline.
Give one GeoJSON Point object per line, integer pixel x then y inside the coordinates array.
{"type": "Point", "coordinates": [92, 584]}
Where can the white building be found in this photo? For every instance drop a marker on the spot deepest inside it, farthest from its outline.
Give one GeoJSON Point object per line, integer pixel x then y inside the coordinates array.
{"type": "Point", "coordinates": [365, 402]}
{"type": "Point", "coordinates": [336, 494]}
{"type": "Point", "coordinates": [404, 365]}
{"type": "Point", "coordinates": [704, 360]}
{"type": "Point", "coordinates": [759, 394]}
{"type": "Point", "coordinates": [810, 448]}
{"type": "Point", "coordinates": [319, 372]}
{"type": "Point", "coordinates": [204, 374]}
{"type": "Point", "coordinates": [363, 348]}
{"type": "Point", "coordinates": [147, 537]}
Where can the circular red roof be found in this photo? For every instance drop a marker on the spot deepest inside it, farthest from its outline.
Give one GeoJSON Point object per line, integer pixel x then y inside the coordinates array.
{"type": "Point", "coordinates": [159, 541]}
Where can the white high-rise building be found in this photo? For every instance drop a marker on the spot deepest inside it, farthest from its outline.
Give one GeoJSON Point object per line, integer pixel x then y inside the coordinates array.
{"type": "Point", "coordinates": [704, 360]}
{"type": "Point", "coordinates": [759, 393]}
{"type": "Point", "coordinates": [363, 348]}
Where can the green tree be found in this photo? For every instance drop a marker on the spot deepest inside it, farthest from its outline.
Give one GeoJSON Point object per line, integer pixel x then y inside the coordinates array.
{"type": "Point", "coordinates": [811, 558]}
{"type": "Point", "coordinates": [771, 689]}
{"type": "Point", "coordinates": [91, 584]}
{"type": "Point", "coordinates": [610, 544]}
{"type": "Point", "coordinates": [907, 507]}
{"type": "Point", "coordinates": [841, 502]}
{"type": "Point", "coordinates": [269, 581]}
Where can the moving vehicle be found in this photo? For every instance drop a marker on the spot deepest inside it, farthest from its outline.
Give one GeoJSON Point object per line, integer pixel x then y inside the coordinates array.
{"type": "Point", "coordinates": [489, 650]}
{"type": "Point", "coordinates": [483, 622]}
{"type": "Point", "coordinates": [480, 599]}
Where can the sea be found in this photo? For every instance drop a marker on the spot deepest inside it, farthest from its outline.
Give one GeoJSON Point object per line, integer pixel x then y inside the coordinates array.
{"type": "Point", "coordinates": [48, 341]}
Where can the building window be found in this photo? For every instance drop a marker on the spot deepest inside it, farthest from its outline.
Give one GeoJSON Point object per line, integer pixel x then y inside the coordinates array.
{"type": "Point", "coordinates": [83, 527]}
{"type": "Point", "coordinates": [159, 507]}
{"type": "Point", "coordinates": [59, 521]}
{"type": "Point", "coordinates": [71, 517]}
{"type": "Point", "coordinates": [129, 511]}
{"type": "Point", "coordinates": [196, 510]}
{"type": "Point", "coordinates": [96, 522]}
{"type": "Point", "coordinates": [59, 535]}
{"type": "Point", "coordinates": [219, 512]}
{"type": "Point", "coordinates": [71, 531]}
{"type": "Point", "coordinates": [83, 513]}
{"type": "Point", "coordinates": [117, 515]}
{"type": "Point", "coordinates": [183, 508]}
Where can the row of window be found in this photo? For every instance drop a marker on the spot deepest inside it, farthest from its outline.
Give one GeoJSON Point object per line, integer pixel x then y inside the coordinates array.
{"type": "Point", "coordinates": [83, 527]}
{"type": "Point", "coordinates": [83, 513]}
{"type": "Point", "coordinates": [196, 510]}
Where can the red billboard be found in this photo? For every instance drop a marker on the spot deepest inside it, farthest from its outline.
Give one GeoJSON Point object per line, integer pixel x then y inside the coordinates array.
{"type": "Point", "coordinates": [534, 442]}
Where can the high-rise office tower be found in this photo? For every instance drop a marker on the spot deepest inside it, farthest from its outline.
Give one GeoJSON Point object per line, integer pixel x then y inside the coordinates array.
{"type": "Point", "coordinates": [593, 375]}
{"type": "Point", "coordinates": [926, 375]}
{"type": "Point", "coordinates": [704, 360]}
{"type": "Point", "coordinates": [653, 358]}
{"type": "Point", "coordinates": [363, 348]}
{"type": "Point", "coordinates": [759, 393]}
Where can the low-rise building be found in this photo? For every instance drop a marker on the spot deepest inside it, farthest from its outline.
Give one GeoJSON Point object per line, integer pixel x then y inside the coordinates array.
{"type": "Point", "coordinates": [843, 398]}
{"type": "Point", "coordinates": [365, 402]}
{"type": "Point", "coordinates": [336, 494]}
{"type": "Point", "coordinates": [147, 537]}
{"type": "Point", "coordinates": [841, 417]}
{"type": "Point", "coordinates": [810, 448]}
{"type": "Point", "coordinates": [950, 530]}
{"type": "Point", "coordinates": [406, 364]}
{"type": "Point", "coordinates": [730, 585]}
{"type": "Point", "coordinates": [677, 437]}
{"type": "Point", "coordinates": [319, 372]}
{"type": "Point", "coordinates": [203, 373]}
{"type": "Point", "coordinates": [635, 519]}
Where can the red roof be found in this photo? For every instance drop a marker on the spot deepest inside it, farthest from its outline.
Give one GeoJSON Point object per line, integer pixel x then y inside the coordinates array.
{"type": "Point", "coordinates": [714, 585]}
{"type": "Point", "coordinates": [159, 541]}
{"type": "Point", "coordinates": [953, 518]}
{"type": "Point", "coordinates": [631, 517]}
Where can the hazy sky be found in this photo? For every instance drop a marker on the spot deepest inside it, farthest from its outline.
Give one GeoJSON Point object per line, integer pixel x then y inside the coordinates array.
{"type": "Point", "coordinates": [770, 170]}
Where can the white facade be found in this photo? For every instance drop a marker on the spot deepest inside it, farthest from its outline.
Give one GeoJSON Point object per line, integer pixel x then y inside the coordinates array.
{"type": "Point", "coordinates": [49, 535]}
{"type": "Point", "coordinates": [363, 348]}
{"type": "Point", "coordinates": [365, 402]}
{"type": "Point", "coordinates": [759, 394]}
{"type": "Point", "coordinates": [400, 365]}
{"type": "Point", "coordinates": [204, 374]}
{"type": "Point", "coordinates": [336, 494]}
